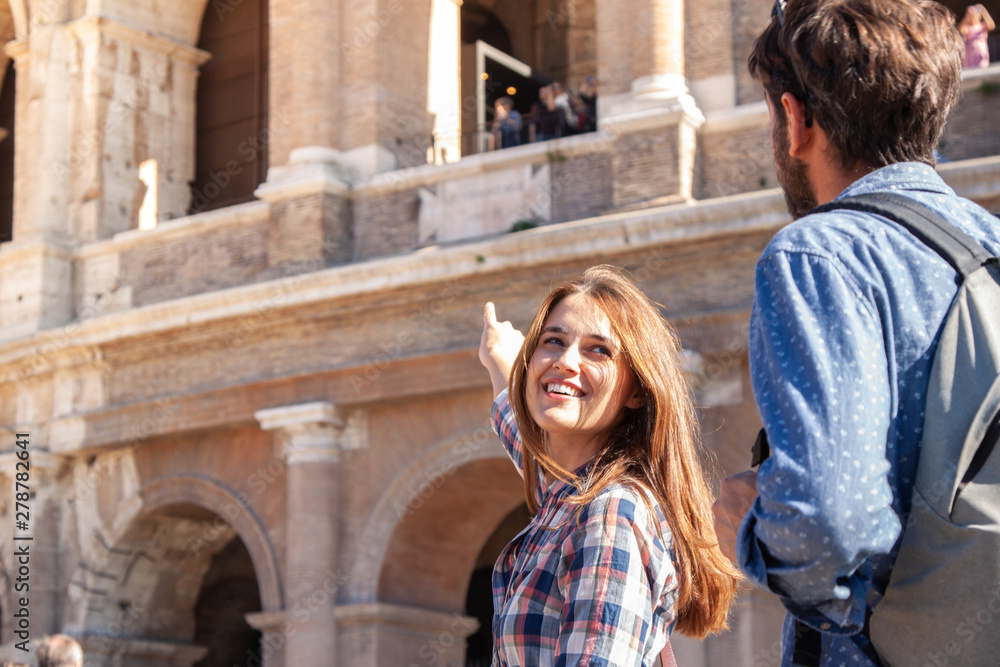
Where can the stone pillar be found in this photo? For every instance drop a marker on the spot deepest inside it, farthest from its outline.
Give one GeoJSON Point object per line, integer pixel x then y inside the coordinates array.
{"type": "Point", "coordinates": [311, 437]}
{"type": "Point", "coordinates": [311, 216]}
{"type": "Point", "coordinates": [95, 99]}
{"type": "Point", "coordinates": [640, 54]}
{"type": "Point", "coordinates": [657, 48]}
{"type": "Point", "coordinates": [270, 624]}
{"type": "Point", "coordinates": [645, 102]}
{"type": "Point", "coordinates": [136, 103]}
{"type": "Point", "coordinates": [36, 266]}
{"type": "Point", "coordinates": [708, 53]}
{"type": "Point", "coordinates": [304, 74]}
{"type": "Point", "coordinates": [309, 175]}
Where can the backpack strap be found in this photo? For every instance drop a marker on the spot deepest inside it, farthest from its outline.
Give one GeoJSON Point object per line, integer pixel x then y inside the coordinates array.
{"type": "Point", "coordinates": [965, 255]}
{"type": "Point", "coordinates": [956, 247]}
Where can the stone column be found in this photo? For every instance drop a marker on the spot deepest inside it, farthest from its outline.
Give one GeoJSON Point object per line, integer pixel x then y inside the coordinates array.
{"type": "Point", "coordinates": [311, 437]}
{"type": "Point", "coordinates": [308, 176]}
{"type": "Point", "coordinates": [304, 74]}
{"type": "Point", "coordinates": [270, 624]}
{"type": "Point", "coordinates": [645, 102]}
{"type": "Point", "coordinates": [136, 103]}
{"type": "Point", "coordinates": [708, 52]}
{"type": "Point", "coordinates": [95, 99]}
{"type": "Point", "coordinates": [36, 266]}
{"type": "Point", "coordinates": [657, 48]}
{"type": "Point", "coordinates": [640, 54]}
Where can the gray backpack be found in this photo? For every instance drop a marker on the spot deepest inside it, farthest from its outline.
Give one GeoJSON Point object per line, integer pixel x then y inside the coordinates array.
{"type": "Point", "coordinates": [942, 604]}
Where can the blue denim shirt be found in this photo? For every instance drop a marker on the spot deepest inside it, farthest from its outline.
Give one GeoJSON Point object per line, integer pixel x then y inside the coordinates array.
{"type": "Point", "coordinates": [845, 319]}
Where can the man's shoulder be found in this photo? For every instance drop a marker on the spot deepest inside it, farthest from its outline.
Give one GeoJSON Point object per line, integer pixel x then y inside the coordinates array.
{"type": "Point", "coordinates": [842, 232]}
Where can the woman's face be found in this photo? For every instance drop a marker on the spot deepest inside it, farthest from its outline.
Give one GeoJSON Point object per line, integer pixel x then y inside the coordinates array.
{"type": "Point", "coordinates": [578, 379]}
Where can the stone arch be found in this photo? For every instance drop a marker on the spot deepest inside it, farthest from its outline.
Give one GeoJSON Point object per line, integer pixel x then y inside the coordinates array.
{"type": "Point", "coordinates": [472, 476]}
{"type": "Point", "coordinates": [229, 505]}
{"type": "Point", "coordinates": [157, 547]}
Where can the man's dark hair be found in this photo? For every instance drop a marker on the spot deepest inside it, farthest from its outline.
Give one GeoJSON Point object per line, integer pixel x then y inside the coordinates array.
{"type": "Point", "coordinates": [879, 76]}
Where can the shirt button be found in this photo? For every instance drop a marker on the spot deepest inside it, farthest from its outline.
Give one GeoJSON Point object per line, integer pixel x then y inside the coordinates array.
{"type": "Point", "coordinates": [824, 626]}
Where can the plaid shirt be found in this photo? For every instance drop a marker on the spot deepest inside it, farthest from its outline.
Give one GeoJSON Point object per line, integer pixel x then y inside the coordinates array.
{"type": "Point", "coordinates": [581, 585]}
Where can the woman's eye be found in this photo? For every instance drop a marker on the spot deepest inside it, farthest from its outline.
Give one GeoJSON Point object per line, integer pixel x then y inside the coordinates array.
{"type": "Point", "coordinates": [553, 341]}
{"type": "Point", "coordinates": [602, 350]}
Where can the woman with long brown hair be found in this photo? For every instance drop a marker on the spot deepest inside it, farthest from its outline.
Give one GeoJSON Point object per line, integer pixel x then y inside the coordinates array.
{"type": "Point", "coordinates": [600, 423]}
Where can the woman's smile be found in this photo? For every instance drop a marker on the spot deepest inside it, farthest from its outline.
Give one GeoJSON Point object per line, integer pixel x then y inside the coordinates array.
{"type": "Point", "coordinates": [579, 380]}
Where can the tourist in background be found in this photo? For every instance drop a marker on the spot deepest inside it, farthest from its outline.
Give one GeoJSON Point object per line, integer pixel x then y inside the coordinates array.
{"type": "Point", "coordinates": [975, 26]}
{"type": "Point", "coordinates": [506, 127]}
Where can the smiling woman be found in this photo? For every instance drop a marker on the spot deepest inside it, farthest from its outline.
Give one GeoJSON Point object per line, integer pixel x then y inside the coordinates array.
{"type": "Point", "coordinates": [600, 424]}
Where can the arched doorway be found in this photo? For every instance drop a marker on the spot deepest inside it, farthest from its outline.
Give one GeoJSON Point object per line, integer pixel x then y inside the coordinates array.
{"type": "Point", "coordinates": [232, 105]}
{"type": "Point", "coordinates": [479, 599]}
{"type": "Point", "coordinates": [181, 549]}
{"type": "Point", "coordinates": [229, 592]}
{"type": "Point", "coordinates": [410, 581]}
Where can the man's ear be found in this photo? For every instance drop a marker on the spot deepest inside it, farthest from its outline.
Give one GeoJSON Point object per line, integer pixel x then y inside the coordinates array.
{"type": "Point", "coordinates": [799, 135]}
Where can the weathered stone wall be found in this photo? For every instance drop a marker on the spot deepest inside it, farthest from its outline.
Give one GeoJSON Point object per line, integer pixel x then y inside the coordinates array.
{"type": "Point", "coordinates": [192, 264]}
{"type": "Point", "coordinates": [386, 223]}
{"type": "Point", "coordinates": [581, 186]}
{"type": "Point", "coordinates": [708, 49]}
{"type": "Point", "coordinates": [736, 159]}
{"type": "Point", "coordinates": [973, 130]}
{"type": "Point", "coordinates": [749, 18]}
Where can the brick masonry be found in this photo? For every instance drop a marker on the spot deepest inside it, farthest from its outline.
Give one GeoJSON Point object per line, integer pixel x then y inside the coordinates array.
{"type": "Point", "coordinates": [174, 269]}
{"type": "Point", "coordinates": [736, 161]}
{"type": "Point", "coordinates": [973, 130]}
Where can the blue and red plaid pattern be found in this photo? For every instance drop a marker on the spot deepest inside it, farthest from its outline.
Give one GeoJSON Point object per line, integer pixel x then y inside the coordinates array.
{"type": "Point", "coordinates": [582, 585]}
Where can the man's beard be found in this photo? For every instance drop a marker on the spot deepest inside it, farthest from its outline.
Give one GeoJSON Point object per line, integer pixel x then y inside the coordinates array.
{"type": "Point", "coordinates": [799, 195]}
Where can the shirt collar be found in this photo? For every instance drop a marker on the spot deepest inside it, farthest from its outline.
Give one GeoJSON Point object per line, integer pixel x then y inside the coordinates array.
{"type": "Point", "coordinates": [563, 488]}
{"type": "Point", "coordinates": [900, 176]}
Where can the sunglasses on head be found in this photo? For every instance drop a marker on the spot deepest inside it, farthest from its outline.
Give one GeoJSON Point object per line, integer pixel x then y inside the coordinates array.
{"type": "Point", "coordinates": [779, 10]}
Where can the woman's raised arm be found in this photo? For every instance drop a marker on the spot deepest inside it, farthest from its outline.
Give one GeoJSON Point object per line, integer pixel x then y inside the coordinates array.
{"type": "Point", "coordinates": [498, 348]}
